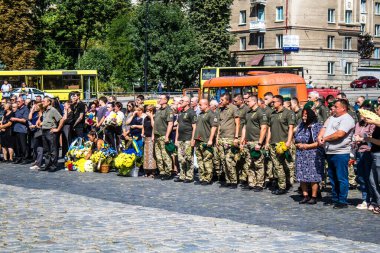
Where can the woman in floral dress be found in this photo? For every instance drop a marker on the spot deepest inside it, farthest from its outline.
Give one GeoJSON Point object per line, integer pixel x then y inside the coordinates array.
{"type": "Point", "coordinates": [309, 156]}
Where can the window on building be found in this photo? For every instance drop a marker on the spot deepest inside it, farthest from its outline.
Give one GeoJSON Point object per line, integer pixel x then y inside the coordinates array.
{"type": "Point", "coordinates": [377, 8]}
{"type": "Point", "coordinates": [279, 13]}
{"type": "Point", "coordinates": [330, 68]}
{"type": "Point", "coordinates": [348, 17]}
{"type": "Point", "coordinates": [243, 18]}
{"type": "Point", "coordinates": [330, 42]}
{"type": "Point", "coordinates": [241, 64]}
{"type": "Point", "coordinates": [279, 40]}
{"type": "Point", "coordinates": [348, 68]}
{"type": "Point", "coordinates": [347, 43]}
{"type": "Point", "coordinates": [362, 28]}
{"type": "Point", "coordinates": [278, 63]}
{"type": "Point", "coordinates": [363, 6]}
{"type": "Point", "coordinates": [243, 43]}
{"type": "Point", "coordinates": [261, 12]}
{"type": "Point", "coordinates": [376, 53]}
{"type": "Point", "coordinates": [260, 41]}
{"type": "Point", "coordinates": [331, 16]}
{"type": "Point", "coordinates": [377, 30]}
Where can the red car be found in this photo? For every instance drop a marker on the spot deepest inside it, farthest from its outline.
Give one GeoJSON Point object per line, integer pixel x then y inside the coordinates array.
{"type": "Point", "coordinates": [365, 82]}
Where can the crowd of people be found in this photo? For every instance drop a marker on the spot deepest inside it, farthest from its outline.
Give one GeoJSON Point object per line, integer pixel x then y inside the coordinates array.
{"type": "Point", "coordinates": [255, 143]}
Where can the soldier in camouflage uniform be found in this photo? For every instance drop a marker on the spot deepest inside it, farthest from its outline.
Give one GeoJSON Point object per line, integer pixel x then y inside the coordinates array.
{"type": "Point", "coordinates": [216, 159]}
{"type": "Point", "coordinates": [206, 127]}
{"type": "Point", "coordinates": [163, 124]}
{"type": "Point", "coordinates": [281, 125]}
{"type": "Point", "coordinates": [242, 111]}
{"type": "Point", "coordinates": [252, 140]}
{"type": "Point", "coordinates": [184, 136]}
{"type": "Point", "coordinates": [228, 139]}
{"type": "Point", "coordinates": [269, 174]}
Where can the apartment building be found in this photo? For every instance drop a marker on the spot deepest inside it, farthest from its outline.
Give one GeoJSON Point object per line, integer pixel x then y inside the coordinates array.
{"type": "Point", "coordinates": [324, 35]}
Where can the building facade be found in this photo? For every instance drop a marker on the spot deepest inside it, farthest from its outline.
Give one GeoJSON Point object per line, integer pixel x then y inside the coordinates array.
{"type": "Point", "coordinates": [326, 33]}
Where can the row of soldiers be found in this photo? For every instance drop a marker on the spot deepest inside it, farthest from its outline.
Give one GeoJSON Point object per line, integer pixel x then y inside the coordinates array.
{"type": "Point", "coordinates": [234, 141]}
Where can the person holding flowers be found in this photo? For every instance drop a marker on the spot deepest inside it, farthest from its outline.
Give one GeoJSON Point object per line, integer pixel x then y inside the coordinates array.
{"type": "Point", "coordinates": [309, 156]}
{"type": "Point", "coordinates": [280, 133]}
{"type": "Point", "coordinates": [97, 144]}
{"type": "Point", "coordinates": [252, 140]}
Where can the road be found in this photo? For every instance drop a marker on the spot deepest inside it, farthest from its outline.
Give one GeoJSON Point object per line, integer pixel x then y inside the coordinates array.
{"type": "Point", "coordinates": [90, 212]}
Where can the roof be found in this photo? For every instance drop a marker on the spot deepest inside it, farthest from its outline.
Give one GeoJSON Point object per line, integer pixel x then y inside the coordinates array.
{"type": "Point", "coordinates": [271, 79]}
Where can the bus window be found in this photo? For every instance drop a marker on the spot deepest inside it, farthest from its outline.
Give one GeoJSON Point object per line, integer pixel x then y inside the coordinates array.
{"type": "Point", "coordinates": [237, 91]}
{"type": "Point", "coordinates": [288, 92]}
{"type": "Point", "coordinates": [72, 81]}
{"type": "Point", "coordinates": [53, 82]}
{"type": "Point", "coordinates": [206, 93]}
{"type": "Point", "coordinates": [207, 74]}
{"type": "Point", "coordinates": [252, 89]}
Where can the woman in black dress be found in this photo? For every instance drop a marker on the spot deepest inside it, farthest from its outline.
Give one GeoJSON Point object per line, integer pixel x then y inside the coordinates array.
{"type": "Point", "coordinates": [7, 140]}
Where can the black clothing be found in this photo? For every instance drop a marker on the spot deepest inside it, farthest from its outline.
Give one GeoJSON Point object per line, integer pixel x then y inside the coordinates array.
{"type": "Point", "coordinates": [148, 129]}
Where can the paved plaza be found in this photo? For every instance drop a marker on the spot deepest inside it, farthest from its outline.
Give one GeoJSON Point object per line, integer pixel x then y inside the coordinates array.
{"type": "Point", "coordinates": [91, 212]}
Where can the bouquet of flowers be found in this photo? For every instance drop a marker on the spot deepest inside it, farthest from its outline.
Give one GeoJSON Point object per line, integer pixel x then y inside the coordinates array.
{"type": "Point", "coordinates": [78, 149]}
{"type": "Point", "coordinates": [281, 148]}
{"type": "Point", "coordinates": [103, 156]}
{"type": "Point", "coordinates": [69, 165]}
{"type": "Point", "coordinates": [79, 165]}
{"type": "Point", "coordinates": [90, 118]}
{"type": "Point", "coordinates": [124, 163]}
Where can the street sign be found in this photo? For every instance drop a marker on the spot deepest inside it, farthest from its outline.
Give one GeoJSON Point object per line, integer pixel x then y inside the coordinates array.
{"type": "Point", "coordinates": [291, 43]}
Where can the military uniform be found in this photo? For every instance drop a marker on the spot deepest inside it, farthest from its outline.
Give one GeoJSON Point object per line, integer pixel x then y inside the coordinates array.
{"type": "Point", "coordinates": [216, 159]}
{"type": "Point", "coordinates": [298, 116]}
{"type": "Point", "coordinates": [254, 166]}
{"type": "Point", "coordinates": [228, 153]}
{"type": "Point", "coordinates": [205, 122]}
{"type": "Point", "coordinates": [268, 163]}
{"type": "Point", "coordinates": [186, 119]}
{"type": "Point", "coordinates": [279, 127]}
{"type": "Point", "coordinates": [242, 111]}
{"type": "Point", "coordinates": [323, 113]}
{"type": "Point", "coordinates": [163, 159]}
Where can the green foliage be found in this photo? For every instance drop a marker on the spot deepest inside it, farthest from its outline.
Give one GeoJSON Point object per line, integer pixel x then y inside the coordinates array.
{"type": "Point", "coordinates": [365, 46]}
{"type": "Point", "coordinates": [97, 58]}
{"type": "Point", "coordinates": [174, 51]}
{"type": "Point", "coordinates": [211, 19]}
{"type": "Point", "coordinates": [122, 50]}
{"type": "Point", "coordinates": [17, 34]}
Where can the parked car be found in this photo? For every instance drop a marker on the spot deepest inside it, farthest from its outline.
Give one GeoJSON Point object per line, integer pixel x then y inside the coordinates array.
{"type": "Point", "coordinates": [31, 93]}
{"type": "Point", "coordinates": [365, 82]}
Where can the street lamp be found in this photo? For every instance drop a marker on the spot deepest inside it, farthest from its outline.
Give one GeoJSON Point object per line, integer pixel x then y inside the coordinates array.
{"type": "Point", "coordinates": [146, 46]}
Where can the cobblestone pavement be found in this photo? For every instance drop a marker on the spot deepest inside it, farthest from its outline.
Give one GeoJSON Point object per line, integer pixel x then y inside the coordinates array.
{"type": "Point", "coordinates": [68, 211]}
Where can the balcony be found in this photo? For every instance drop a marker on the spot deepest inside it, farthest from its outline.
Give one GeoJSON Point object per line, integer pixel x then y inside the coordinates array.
{"type": "Point", "coordinates": [255, 2]}
{"type": "Point", "coordinates": [257, 26]}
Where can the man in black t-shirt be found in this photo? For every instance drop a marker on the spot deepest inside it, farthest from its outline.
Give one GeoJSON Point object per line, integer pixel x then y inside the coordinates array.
{"type": "Point", "coordinates": [78, 108]}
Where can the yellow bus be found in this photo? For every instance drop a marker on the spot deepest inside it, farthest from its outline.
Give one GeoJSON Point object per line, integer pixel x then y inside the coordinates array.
{"type": "Point", "coordinates": [58, 83]}
{"type": "Point", "coordinates": [211, 72]}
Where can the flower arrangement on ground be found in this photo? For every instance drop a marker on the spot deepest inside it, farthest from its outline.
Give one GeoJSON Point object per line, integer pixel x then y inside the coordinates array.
{"type": "Point", "coordinates": [104, 156]}
{"type": "Point", "coordinates": [124, 163]}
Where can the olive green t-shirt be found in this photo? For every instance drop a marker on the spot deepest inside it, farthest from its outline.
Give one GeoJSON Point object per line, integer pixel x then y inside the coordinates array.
{"type": "Point", "coordinates": [227, 124]}
{"type": "Point", "coordinates": [279, 125]}
{"type": "Point", "coordinates": [298, 116]}
{"type": "Point", "coordinates": [186, 119]}
{"type": "Point", "coordinates": [323, 113]}
{"type": "Point", "coordinates": [268, 111]}
{"type": "Point", "coordinates": [255, 118]}
{"type": "Point", "coordinates": [161, 120]}
{"type": "Point", "coordinates": [242, 111]}
{"type": "Point", "coordinates": [205, 121]}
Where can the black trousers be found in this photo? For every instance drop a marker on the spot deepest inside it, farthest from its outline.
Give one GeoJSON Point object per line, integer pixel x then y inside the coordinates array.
{"type": "Point", "coordinates": [22, 146]}
{"type": "Point", "coordinates": [66, 139]}
{"type": "Point", "coordinates": [50, 149]}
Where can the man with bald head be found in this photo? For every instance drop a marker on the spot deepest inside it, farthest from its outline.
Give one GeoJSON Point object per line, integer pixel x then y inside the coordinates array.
{"type": "Point", "coordinates": [207, 124]}
{"type": "Point", "coordinates": [184, 139]}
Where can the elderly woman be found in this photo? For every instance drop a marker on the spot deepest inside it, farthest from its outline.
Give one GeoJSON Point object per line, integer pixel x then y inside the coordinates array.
{"type": "Point", "coordinates": [309, 156]}
{"type": "Point", "coordinates": [7, 140]}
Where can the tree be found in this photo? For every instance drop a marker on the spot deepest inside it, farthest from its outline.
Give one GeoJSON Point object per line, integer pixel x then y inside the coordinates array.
{"type": "Point", "coordinates": [211, 18]}
{"type": "Point", "coordinates": [73, 24]}
{"type": "Point", "coordinates": [174, 51]}
{"type": "Point", "coordinates": [97, 58]}
{"type": "Point", "coordinates": [17, 34]}
{"type": "Point", "coordinates": [365, 46]}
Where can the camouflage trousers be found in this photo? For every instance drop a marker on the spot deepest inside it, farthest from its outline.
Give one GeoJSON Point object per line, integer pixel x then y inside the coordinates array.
{"type": "Point", "coordinates": [291, 164]}
{"type": "Point", "coordinates": [229, 155]}
{"type": "Point", "coordinates": [163, 158]}
{"type": "Point", "coordinates": [186, 160]}
{"type": "Point", "coordinates": [352, 175]}
{"type": "Point", "coordinates": [281, 169]}
{"type": "Point", "coordinates": [204, 156]}
{"type": "Point", "coordinates": [217, 162]}
{"type": "Point", "coordinates": [253, 167]}
{"type": "Point", "coordinates": [268, 165]}
{"type": "Point", "coordinates": [243, 165]}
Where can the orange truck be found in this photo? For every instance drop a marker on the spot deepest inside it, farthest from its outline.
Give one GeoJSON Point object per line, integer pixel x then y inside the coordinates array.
{"type": "Point", "coordinates": [258, 82]}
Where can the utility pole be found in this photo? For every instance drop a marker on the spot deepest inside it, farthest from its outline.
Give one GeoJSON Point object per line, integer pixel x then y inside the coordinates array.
{"type": "Point", "coordinates": [146, 46]}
